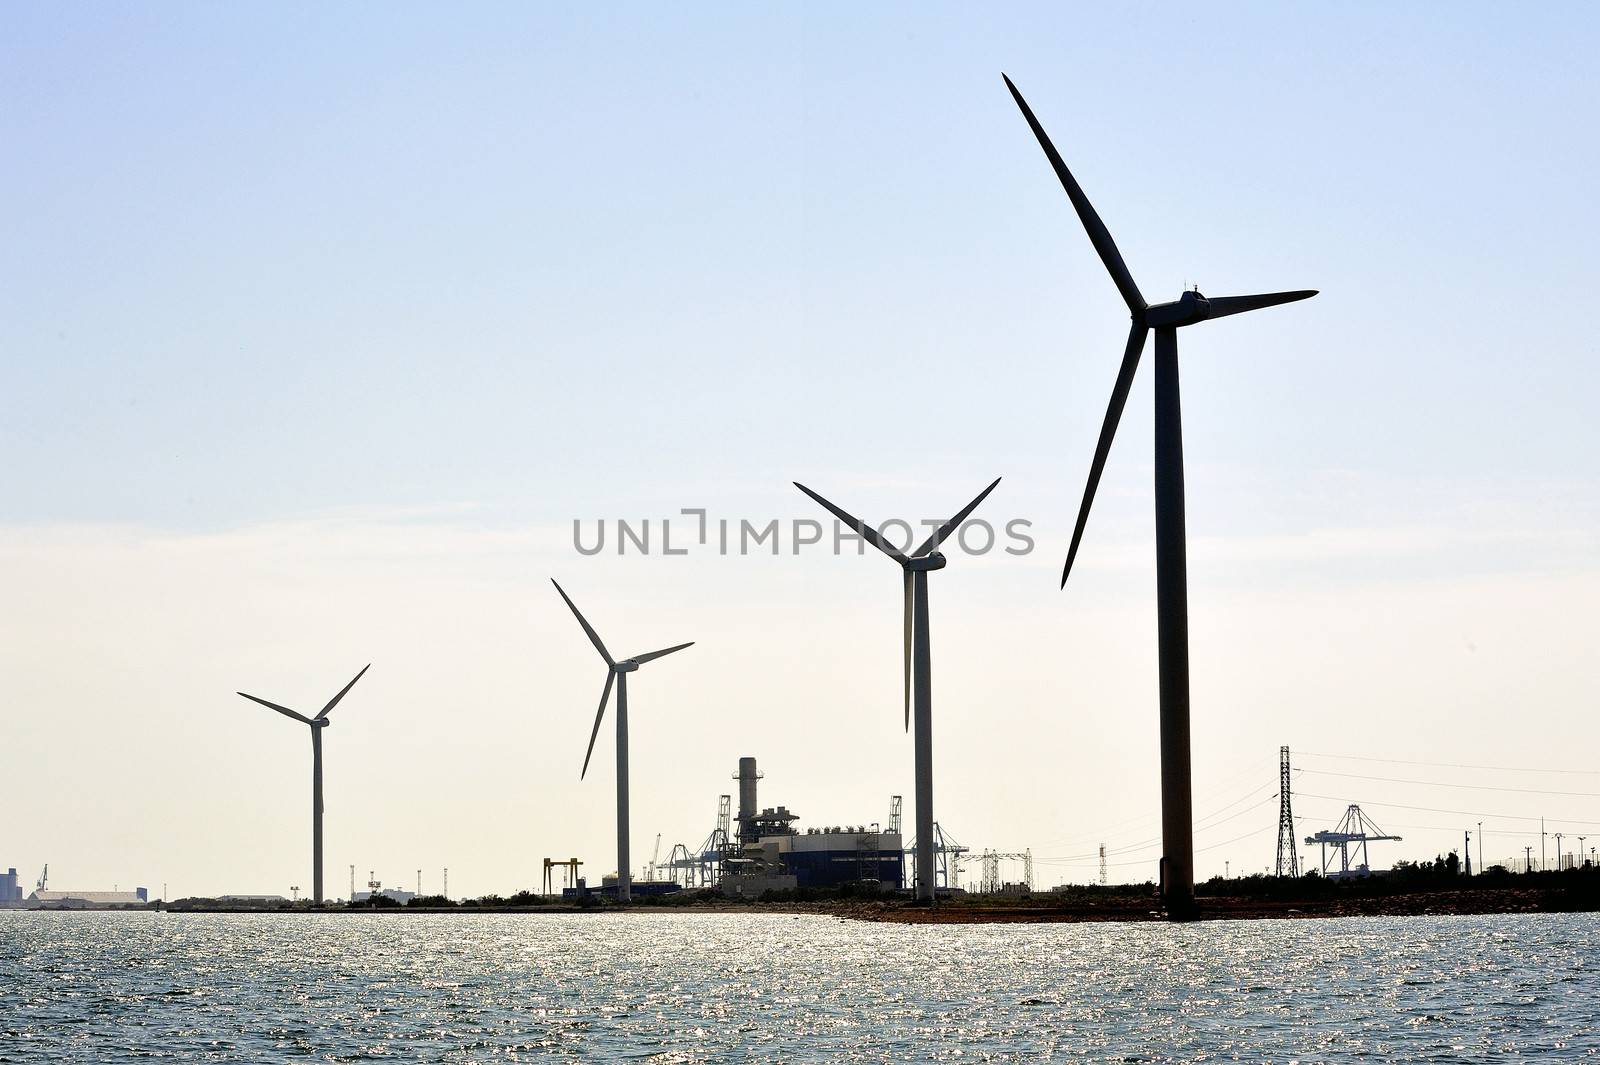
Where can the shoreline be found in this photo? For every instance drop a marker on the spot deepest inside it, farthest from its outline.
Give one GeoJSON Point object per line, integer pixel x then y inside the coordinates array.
{"type": "Point", "coordinates": [1038, 909]}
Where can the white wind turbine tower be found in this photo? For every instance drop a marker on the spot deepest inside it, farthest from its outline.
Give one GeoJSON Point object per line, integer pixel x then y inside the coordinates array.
{"type": "Point", "coordinates": [616, 672]}
{"type": "Point", "coordinates": [317, 724]}
{"type": "Point", "coordinates": [918, 665]}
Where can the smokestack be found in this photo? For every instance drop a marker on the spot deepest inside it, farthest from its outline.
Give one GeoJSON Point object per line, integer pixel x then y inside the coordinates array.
{"type": "Point", "coordinates": [747, 800]}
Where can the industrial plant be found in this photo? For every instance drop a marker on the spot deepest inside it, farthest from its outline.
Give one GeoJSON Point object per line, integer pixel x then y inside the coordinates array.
{"type": "Point", "coordinates": [763, 849]}
{"type": "Point", "coordinates": [772, 854]}
{"type": "Point", "coordinates": [44, 897]}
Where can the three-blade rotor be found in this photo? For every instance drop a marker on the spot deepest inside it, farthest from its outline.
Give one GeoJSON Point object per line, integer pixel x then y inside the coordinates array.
{"type": "Point", "coordinates": [909, 564]}
{"type": "Point", "coordinates": [613, 668]}
{"type": "Point", "coordinates": [322, 714]}
{"type": "Point", "coordinates": [1191, 308]}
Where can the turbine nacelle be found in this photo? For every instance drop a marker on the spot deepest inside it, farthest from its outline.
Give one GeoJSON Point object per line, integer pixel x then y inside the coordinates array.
{"type": "Point", "coordinates": [1192, 307]}
{"type": "Point", "coordinates": [1187, 309]}
{"type": "Point", "coordinates": [926, 563]}
{"type": "Point", "coordinates": [627, 665]}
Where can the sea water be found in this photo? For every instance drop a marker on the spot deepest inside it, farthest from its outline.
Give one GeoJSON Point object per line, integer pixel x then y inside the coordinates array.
{"type": "Point", "coordinates": [124, 987]}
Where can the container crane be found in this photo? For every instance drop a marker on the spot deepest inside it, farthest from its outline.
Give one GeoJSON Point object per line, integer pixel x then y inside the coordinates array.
{"type": "Point", "coordinates": [1355, 829]}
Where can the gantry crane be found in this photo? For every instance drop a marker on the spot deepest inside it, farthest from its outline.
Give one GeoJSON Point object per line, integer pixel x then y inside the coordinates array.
{"type": "Point", "coordinates": [1354, 829]}
{"type": "Point", "coordinates": [570, 872]}
{"type": "Point", "coordinates": [947, 855]}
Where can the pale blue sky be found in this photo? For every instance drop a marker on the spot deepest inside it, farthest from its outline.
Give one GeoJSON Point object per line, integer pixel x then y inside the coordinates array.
{"type": "Point", "coordinates": [472, 274]}
{"type": "Point", "coordinates": [268, 262]}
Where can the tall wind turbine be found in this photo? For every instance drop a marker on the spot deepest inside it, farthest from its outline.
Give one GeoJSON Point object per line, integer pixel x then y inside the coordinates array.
{"type": "Point", "coordinates": [616, 672]}
{"type": "Point", "coordinates": [1172, 597]}
{"type": "Point", "coordinates": [918, 661]}
{"type": "Point", "coordinates": [317, 724]}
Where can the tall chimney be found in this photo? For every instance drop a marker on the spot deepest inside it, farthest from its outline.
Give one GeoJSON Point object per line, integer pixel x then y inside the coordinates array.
{"type": "Point", "coordinates": [747, 800]}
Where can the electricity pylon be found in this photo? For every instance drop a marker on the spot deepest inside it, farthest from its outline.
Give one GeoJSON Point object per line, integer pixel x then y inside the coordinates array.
{"type": "Point", "coordinates": [1288, 860]}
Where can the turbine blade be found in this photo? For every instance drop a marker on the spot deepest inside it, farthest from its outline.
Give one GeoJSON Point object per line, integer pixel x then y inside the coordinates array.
{"type": "Point", "coordinates": [954, 523]}
{"type": "Point", "coordinates": [908, 611]}
{"type": "Point", "coordinates": [653, 655]}
{"type": "Point", "coordinates": [1119, 398]}
{"type": "Point", "coordinates": [1099, 236]}
{"type": "Point", "coordinates": [869, 534]}
{"type": "Point", "coordinates": [1222, 306]}
{"type": "Point", "coordinates": [594, 637]}
{"type": "Point", "coordinates": [605, 697]}
{"type": "Point", "coordinates": [284, 710]}
{"type": "Point", "coordinates": [335, 700]}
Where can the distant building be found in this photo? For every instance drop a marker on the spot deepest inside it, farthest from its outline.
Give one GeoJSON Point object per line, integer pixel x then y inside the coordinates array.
{"type": "Point", "coordinates": [10, 890]}
{"type": "Point", "coordinates": [402, 897]}
{"type": "Point", "coordinates": [87, 900]}
{"type": "Point", "coordinates": [608, 888]}
{"type": "Point", "coordinates": [252, 900]}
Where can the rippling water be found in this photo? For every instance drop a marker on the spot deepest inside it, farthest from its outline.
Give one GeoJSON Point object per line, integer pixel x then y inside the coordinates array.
{"type": "Point", "coordinates": [118, 987]}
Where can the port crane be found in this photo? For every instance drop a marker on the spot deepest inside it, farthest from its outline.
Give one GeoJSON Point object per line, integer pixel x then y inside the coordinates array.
{"type": "Point", "coordinates": [947, 854]}
{"type": "Point", "coordinates": [703, 866]}
{"type": "Point", "coordinates": [44, 878]}
{"type": "Point", "coordinates": [1354, 831]}
{"type": "Point", "coordinates": [569, 872]}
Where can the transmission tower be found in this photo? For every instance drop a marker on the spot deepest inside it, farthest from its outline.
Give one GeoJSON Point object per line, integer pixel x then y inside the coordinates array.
{"type": "Point", "coordinates": [1102, 864]}
{"type": "Point", "coordinates": [1288, 860]}
{"type": "Point", "coordinates": [990, 882]}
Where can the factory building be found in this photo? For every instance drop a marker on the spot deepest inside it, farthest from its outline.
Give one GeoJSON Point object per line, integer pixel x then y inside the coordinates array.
{"type": "Point", "coordinates": [774, 855]}
{"type": "Point", "coordinates": [87, 900]}
{"type": "Point", "coordinates": [10, 890]}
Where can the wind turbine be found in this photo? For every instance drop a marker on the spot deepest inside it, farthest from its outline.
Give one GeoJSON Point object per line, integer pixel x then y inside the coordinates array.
{"type": "Point", "coordinates": [918, 662]}
{"type": "Point", "coordinates": [616, 672]}
{"type": "Point", "coordinates": [317, 724]}
{"type": "Point", "coordinates": [1172, 597]}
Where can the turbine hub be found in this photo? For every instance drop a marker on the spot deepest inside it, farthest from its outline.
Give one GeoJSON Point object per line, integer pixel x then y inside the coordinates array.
{"type": "Point", "coordinates": [927, 563]}
{"type": "Point", "coordinates": [626, 666]}
{"type": "Point", "coordinates": [319, 722]}
{"type": "Point", "coordinates": [1187, 309]}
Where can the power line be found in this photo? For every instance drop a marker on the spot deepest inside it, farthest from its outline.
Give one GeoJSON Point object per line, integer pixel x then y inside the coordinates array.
{"type": "Point", "coordinates": [1112, 830]}
{"type": "Point", "coordinates": [1198, 850]}
{"type": "Point", "coordinates": [1235, 839]}
{"type": "Point", "coordinates": [1463, 813]}
{"type": "Point", "coordinates": [1076, 859]}
{"type": "Point", "coordinates": [1152, 841]}
{"type": "Point", "coordinates": [1450, 765]}
{"type": "Point", "coordinates": [1487, 830]}
{"type": "Point", "coordinates": [1444, 784]}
